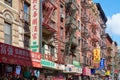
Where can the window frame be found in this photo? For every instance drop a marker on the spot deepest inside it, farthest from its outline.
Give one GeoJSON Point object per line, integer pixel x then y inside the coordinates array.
{"type": "Point", "coordinates": [6, 25]}
{"type": "Point", "coordinates": [8, 2]}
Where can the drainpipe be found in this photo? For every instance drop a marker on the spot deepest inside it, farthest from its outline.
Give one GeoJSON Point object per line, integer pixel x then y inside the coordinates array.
{"type": "Point", "coordinates": [40, 26]}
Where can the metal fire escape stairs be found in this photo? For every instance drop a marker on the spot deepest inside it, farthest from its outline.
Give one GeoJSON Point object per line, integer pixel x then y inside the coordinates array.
{"type": "Point", "coordinates": [72, 30]}
{"type": "Point", "coordinates": [51, 9]}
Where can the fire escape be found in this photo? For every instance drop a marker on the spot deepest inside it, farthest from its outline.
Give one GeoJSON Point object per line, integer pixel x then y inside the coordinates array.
{"type": "Point", "coordinates": [48, 10]}
{"type": "Point", "coordinates": [94, 36]}
{"type": "Point", "coordinates": [85, 33]}
{"type": "Point", "coordinates": [49, 29]}
{"type": "Point", "coordinates": [71, 27]}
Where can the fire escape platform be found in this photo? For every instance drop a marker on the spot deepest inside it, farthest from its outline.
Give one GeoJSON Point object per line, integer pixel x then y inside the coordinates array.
{"type": "Point", "coordinates": [95, 25]}
{"type": "Point", "coordinates": [48, 27]}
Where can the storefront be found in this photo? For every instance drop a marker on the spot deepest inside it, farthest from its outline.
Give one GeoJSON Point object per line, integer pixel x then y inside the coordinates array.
{"type": "Point", "coordinates": [86, 73]}
{"type": "Point", "coordinates": [18, 62]}
{"type": "Point", "coordinates": [78, 69]}
{"type": "Point", "coordinates": [51, 70]}
{"type": "Point", "coordinates": [72, 72]}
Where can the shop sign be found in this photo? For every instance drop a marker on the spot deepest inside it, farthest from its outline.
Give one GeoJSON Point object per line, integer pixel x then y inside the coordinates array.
{"type": "Point", "coordinates": [69, 68]}
{"type": "Point", "coordinates": [47, 63]}
{"type": "Point", "coordinates": [76, 63]}
{"type": "Point", "coordinates": [61, 67]}
{"type": "Point", "coordinates": [103, 72]}
{"type": "Point", "coordinates": [15, 55]}
{"type": "Point", "coordinates": [86, 71]}
{"type": "Point", "coordinates": [35, 25]}
{"type": "Point", "coordinates": [102, 63]}
{"type": "Point", "coordinates": [107, 72]}
{"type": "Point", "coordinates": [57, 78]}
{"type": "Point", "coordinates": [48, 57]}
{"type": "Point", "coordinates": [79, 70]}
{"type": "Point", "coordinates": [92, 71]}
{"type": "Point", "coordinates": [96, 55]}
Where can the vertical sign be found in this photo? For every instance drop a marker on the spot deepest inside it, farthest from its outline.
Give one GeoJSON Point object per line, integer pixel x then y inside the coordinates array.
{"type": "Point", "coordinates": [96, 55]}
{"type": "Point", "coordinates": [35, 25]}
{"type": "Point", "coordinates": [102, 63]}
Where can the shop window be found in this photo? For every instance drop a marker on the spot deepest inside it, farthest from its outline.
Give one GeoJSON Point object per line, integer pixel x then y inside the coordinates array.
{"type": "Point", "coordinates": [7, 33]}
{"type": "Point", "coordinates": [8, 2]}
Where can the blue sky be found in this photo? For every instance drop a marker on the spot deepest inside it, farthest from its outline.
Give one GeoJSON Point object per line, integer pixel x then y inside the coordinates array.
{"type": "Point", "coordinates": [112, 11]}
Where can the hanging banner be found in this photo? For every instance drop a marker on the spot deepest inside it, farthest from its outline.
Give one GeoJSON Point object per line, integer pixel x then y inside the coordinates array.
{"type": "Point", "coordinates": [102, 63]}
{"type": "Point", "coordinates": [35, 25]}
{"type": "Point", "coordinates": [96, 55]}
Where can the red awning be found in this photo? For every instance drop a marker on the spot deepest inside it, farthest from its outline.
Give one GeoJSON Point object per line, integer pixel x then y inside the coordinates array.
{"type": "Point", "coordinates": [14, 55]}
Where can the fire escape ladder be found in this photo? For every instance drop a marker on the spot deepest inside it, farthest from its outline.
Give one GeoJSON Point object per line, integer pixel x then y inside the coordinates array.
{"type": "Point", "coordinates": [71, 10]}
{"type": "Point", "coordinates": [51, 8]}
{"type": "Point", "coordinates": [69, 43]}
{"type": "Point", "coordinates": [49, 15]}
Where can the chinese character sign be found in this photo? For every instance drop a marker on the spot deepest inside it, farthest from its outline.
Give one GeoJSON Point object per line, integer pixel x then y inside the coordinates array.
{"type": "Point", "coordinates": [19, 53]}
{"type": "Point", "coordinates": [35, 25]}
{"type": "Point", "coordinates": [96, 55]}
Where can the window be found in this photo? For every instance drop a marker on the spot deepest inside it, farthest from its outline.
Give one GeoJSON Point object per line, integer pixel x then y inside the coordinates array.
{"type": "Point", "coordinates": [8, 2]}
{"type": "Point", "coordinates": [79, 42]}
{"type": "Point", "coordinates": [52, 50]}
{"type": "Point", "coordinates": [61, 33]}
{"type": "Point", "coordinates": [43, 47]}
{"type": "Point", "coordinates": [62, 16]}
{"type": "Point", "coordinates": [26, 12]}
{"type": "Point", "coordinates": [79, 26]}
{"type": "Point", "coordinates": [7, 33]}
{"type": "Point", "coordinates": [26, 41]}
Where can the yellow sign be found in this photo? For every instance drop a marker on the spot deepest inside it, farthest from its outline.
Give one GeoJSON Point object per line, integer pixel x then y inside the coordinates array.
{"type": "Point", "coordinates": [107, 72]}
{"type": "Point", "coordinates": [96, 55]}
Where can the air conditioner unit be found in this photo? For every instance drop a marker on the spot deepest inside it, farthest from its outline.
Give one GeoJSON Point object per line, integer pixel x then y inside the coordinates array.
{"type": "Point", "coordinates": [21, 14]}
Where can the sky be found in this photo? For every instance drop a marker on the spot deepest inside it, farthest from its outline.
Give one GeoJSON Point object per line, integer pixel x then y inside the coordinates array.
{"type": "Point", "coordinates": [111, 9]}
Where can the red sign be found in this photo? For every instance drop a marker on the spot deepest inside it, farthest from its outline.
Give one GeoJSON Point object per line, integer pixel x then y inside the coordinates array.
{"type": "Point", "coordinates": [86, 71]}
{"type": "Point", "coordinates": [14, 55]}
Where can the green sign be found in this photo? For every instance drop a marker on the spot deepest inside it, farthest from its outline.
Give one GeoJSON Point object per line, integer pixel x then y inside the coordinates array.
{"type": "Point", "coordinates": [47, 63]}
{"type": "Point", "coordinates": [76, 63]}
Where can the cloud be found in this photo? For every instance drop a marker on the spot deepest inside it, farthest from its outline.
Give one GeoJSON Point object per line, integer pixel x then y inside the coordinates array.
{"type": "Point", "coordinates": [113, 24]}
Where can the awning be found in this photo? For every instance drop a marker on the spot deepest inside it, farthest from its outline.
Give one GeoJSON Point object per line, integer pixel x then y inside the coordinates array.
{"type": "Point", "coordinates": [14, 55]}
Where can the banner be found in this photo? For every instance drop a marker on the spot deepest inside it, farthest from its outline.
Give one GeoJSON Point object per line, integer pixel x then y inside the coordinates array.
{"type": "Point", "coordinates": [35, 25]}
{"type": "Point", "coordinates": [96, 55]}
